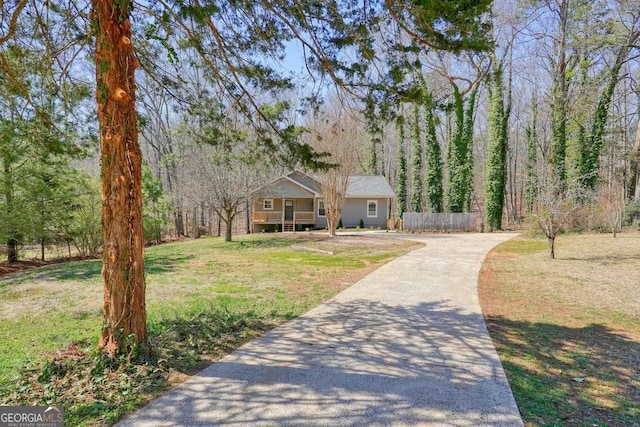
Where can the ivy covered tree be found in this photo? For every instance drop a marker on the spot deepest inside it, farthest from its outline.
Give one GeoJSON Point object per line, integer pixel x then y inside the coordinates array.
{"type": "Point", "coordinates": [591, 148]}
{"type": "Point", "coordinates": [496, 167]}
{"type": "Point", "coordinates": [416, 161]}
{"type": "Point", "coordinates": [460, 152]}
{"type": "Point", "coordinates": [433, 173]}
{"type": "Point", "coordinates": [401, 171]}
{"type": "Point", "coordinates": [532, 157]}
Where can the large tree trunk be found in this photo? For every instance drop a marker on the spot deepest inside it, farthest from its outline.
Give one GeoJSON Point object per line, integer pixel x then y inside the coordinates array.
{"type": "Point", "coordinates": [124, 316]}
{"type": "Point", "coordinates": [552, 247]}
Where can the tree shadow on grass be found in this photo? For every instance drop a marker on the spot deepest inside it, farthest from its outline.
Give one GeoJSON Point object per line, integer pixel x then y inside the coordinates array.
{"type": "Point", "coordinates": [602, 258]}
{"type": "Point", "coordinates": [570, 376]}
{"type": "Point", "coordinates": [350, 363]}
{"type": "Point", "coordinates": [92, 269]}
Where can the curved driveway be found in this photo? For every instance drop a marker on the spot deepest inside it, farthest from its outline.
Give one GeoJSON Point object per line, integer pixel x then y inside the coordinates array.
{"type": "Point", "coordinates": [406, 345]}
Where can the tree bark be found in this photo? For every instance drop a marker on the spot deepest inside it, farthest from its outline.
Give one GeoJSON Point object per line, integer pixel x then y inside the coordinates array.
{"type": "Point", "coordinates": [552, 242]}
{"type": "Point", "coordinates": [332, 221]}
{"type": "Point", "coordinates": [634, 188]}
{"type": "Point", "coordinates": [12, 242]}
{"type": "Point", "coordinates": [12, 250]}
{"type": "Point", "coordinates": [230, 216]}
{"type": "Point", "coordinates": [124, 312]}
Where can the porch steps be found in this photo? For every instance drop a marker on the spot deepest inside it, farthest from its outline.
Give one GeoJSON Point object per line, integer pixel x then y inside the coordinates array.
{"type": "Point", "coordinates": [288, 226]}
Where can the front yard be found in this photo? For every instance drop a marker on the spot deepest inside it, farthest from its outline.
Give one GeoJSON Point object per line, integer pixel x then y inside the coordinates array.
{"type": "Point", "coordinates": [568, 330]}
{"type": "Point", "coordinates": [204, 299]}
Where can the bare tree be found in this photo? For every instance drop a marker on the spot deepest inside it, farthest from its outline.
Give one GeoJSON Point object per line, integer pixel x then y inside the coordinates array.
{"type": "Point", "coordinates": [338, 134]}
{"type": "Point", "coordinates": [222, 183]}
{"type": "Point", "coordinates": [556, 207]}
{"type": "Point", "coordinates": [612, 201]}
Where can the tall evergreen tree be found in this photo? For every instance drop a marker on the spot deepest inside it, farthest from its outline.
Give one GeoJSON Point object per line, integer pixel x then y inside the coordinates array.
{"type": "Point", "coordinates": [401, 171]}
{"type": "Point", "coordinates": [416, 161]}
{"type": "Point", "coordinates": [433, 173]}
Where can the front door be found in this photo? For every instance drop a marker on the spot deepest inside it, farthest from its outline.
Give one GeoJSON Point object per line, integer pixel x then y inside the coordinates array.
{"type": "Point", "coordinates": [288, 210]}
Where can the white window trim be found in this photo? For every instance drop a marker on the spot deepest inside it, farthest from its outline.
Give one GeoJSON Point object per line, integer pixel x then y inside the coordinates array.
{"type": "Point", "coordinates": [325, 209]}
{"type": "Point", "coordinates": [376, 214]}
{"type": "Point", "coordinates": [264, 205]}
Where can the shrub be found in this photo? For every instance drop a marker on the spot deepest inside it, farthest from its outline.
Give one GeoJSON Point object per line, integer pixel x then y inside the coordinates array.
{"type": "Point", "coordinates": [361, 223]}
{"type": "Point", "coordinates": [632, 212]}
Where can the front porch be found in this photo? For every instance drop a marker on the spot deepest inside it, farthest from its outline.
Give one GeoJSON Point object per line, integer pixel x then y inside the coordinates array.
{"type": "Point", "coordinates": [283, 215]}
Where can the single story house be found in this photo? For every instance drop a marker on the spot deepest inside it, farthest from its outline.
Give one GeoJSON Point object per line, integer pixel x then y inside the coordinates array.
{"type": "Point", "coordinates": [294, 202]}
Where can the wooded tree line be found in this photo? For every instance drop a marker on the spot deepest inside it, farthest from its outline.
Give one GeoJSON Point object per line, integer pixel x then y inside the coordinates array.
{"type": "Point", "coordinates": [502, 108]}
{"type": "Point", "coordinates": [555, 99]}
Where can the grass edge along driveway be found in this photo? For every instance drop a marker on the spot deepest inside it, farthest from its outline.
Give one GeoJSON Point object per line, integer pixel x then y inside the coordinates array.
{"type": "Point", "coordinates": [568, 330]}
{"type": "Point", "coordinates": [204, 299]}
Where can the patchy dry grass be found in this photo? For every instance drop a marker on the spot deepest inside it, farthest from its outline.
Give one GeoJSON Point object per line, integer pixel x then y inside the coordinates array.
{"type": "Point", "coordinates": [205, 298]}
{"type": "Point", "coordinates": [568, 330]}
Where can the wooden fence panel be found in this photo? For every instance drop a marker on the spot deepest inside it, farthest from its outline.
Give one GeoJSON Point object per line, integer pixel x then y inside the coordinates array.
{"type": "Point", "coordinates": [418, 221]}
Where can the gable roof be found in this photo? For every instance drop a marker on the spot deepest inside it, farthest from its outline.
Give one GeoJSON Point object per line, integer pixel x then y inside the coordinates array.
{"type": "Point", "coordinates": [362, 186]}
{"type": "Point", "coordinates": [298, 178]}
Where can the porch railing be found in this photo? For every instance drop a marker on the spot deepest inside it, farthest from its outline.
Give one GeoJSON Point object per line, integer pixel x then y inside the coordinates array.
{"type": "Point", "coordinates": [274, 217]}
{"type": "Point", "coordinates": [301, 217]}
{"type": "Point", "coordinates": [267, 216]}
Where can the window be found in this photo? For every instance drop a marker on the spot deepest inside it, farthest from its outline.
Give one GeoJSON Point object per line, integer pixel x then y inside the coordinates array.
{"type": "Point", "coordinates": [267, 204]}
{"type": "Point", "coordinates": [372, 209]}
{"type": "Point", "coordinates": [321, 211]}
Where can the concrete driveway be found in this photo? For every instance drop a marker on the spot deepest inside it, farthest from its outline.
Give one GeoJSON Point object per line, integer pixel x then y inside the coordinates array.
{"type": "Point", "coordinates": [405, 346]}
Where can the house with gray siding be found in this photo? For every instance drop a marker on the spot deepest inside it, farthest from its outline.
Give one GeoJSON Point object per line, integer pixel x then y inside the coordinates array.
{"type": "Point", "coordinates": [294, 202]}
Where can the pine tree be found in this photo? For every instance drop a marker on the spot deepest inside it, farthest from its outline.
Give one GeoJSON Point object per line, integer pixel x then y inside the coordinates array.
{"type": "Point", "coordinates": [401, 171]}
{"type": "Point", "coordinates": [416, 161]}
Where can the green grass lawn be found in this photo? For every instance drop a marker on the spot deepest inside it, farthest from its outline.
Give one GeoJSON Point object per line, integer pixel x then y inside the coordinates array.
{"type": "Point", "coordinates": [205, 297]}
{"type": "Point", "coordinates": [568, 330]}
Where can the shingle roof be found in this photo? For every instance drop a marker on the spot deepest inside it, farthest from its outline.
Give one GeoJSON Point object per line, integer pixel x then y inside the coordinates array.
{"type": "Point", "coordinates": [360, 186]}
{"type": "Point", "coordinates": [306, 180]}
{"type": "Point", "coordinates": [369, 186]}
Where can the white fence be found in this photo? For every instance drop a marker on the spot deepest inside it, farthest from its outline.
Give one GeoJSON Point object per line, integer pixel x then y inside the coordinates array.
{"type": "Point", "coordinates": [418, 221]}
